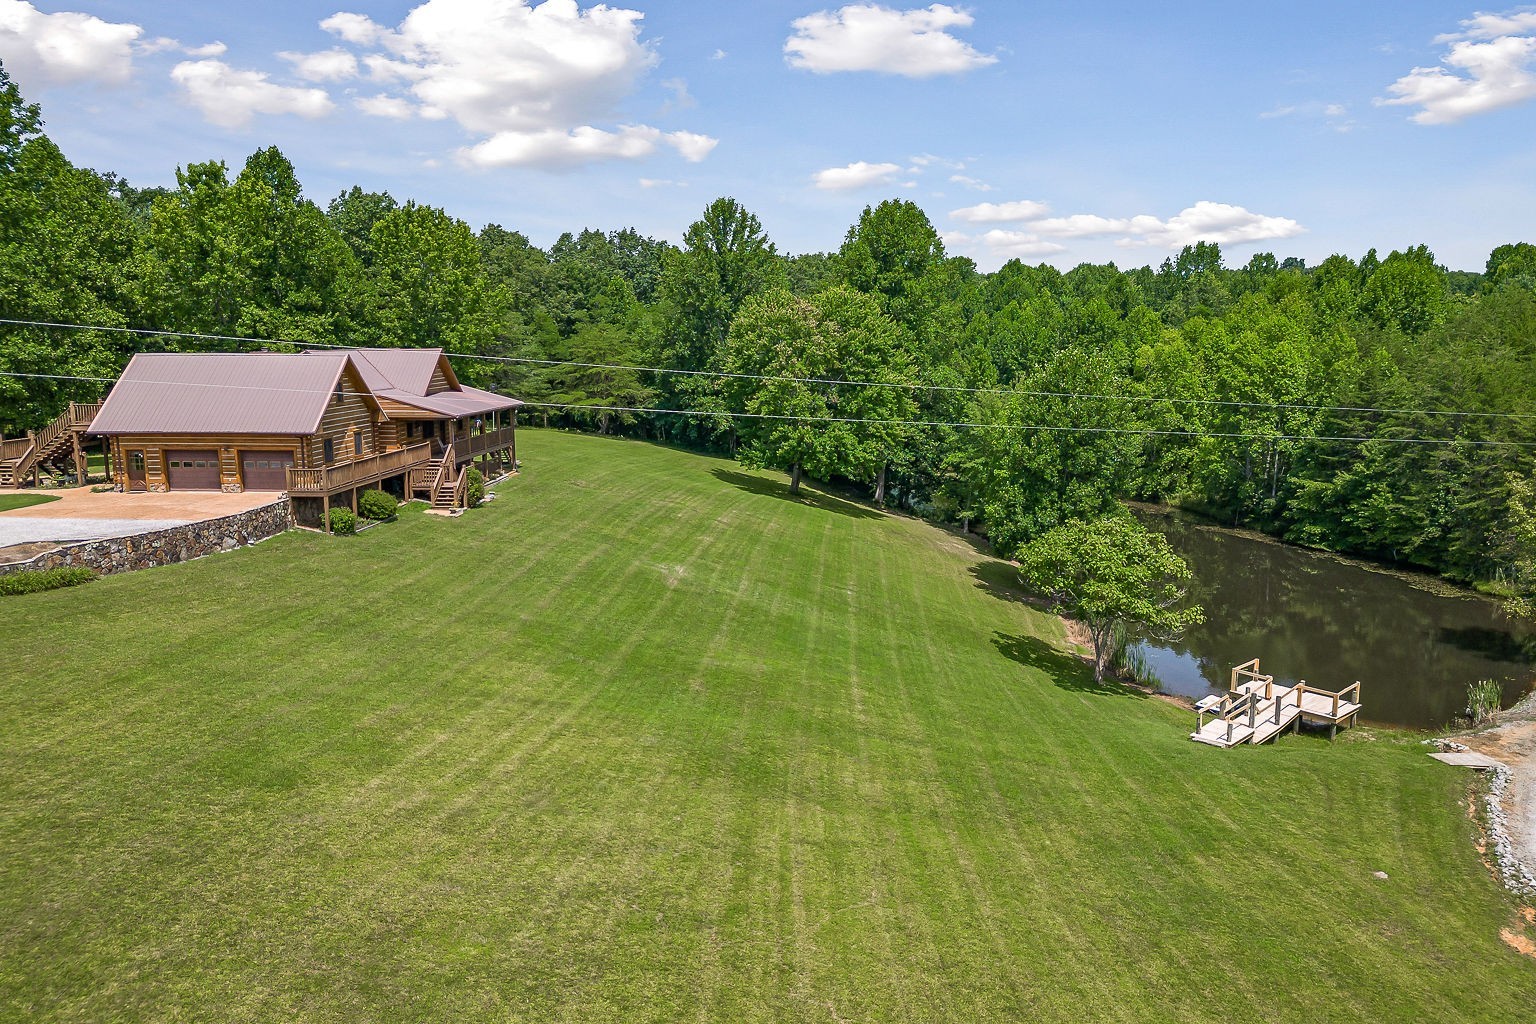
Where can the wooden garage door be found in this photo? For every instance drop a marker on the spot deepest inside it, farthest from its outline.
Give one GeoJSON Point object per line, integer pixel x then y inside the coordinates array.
{"type": "Point", "coordinates": [265, 471]}
{"type": "Point", "coordinates": [193, 470]}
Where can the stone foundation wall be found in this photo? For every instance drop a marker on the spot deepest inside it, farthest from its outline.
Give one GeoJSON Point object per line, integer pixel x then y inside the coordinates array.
{"type": "Point", "coordinates": [165, 547]}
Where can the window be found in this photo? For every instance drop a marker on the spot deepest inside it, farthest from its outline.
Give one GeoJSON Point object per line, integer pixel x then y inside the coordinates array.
{"type": "Point", "coordinates": [340, 388]}
{"type": "Point", "coordinates": [136, 462]}
{"type": "Point", "coordinates": [328, 450]}
{"type": "Point", "coordinates": [357, 444]}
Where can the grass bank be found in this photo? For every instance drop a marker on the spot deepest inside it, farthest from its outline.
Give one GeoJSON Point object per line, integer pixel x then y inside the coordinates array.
{"type": "Point", "coordinates": [644, 739]}
{"type": "Point", "coordinates": [24, 500]}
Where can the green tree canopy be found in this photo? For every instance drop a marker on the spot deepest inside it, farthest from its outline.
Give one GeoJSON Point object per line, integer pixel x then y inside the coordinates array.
{"type": "Point", "coordinates": [801, 351]}
{"type": "Point", "coordinates": [1110, 573]}
{"type": "Point", "coordinates": [430, 285]}
{"type": "Point", "coordinates": [725, 259]}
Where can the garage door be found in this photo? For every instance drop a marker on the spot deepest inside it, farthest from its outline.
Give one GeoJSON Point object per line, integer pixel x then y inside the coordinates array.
{"type": "Point", "coordinates": [193, 471]}
{"type": "Point", "coordinates": [265, 471]}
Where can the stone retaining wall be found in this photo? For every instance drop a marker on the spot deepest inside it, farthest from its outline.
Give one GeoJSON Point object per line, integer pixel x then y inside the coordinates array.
{"type": "Point", "coordinates": [165, 547]}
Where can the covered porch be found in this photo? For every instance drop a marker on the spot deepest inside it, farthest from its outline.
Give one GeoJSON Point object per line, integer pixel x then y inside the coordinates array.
{"type": "Point", "coordinates": [487, 443]}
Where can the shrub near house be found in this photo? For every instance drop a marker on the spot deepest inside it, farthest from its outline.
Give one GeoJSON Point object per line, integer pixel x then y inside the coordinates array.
{"type": "Point", "coordinates": [378, 506]}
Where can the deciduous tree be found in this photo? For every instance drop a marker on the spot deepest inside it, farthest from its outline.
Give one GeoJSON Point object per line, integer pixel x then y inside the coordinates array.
{"type": "Point", "coordinates": [1109, 573]}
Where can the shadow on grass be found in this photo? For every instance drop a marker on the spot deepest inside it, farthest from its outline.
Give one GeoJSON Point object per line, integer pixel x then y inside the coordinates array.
{"type": "Point", "coordinates": [813, 499]}
{"type": "Point", "coordinates": [1001, 580]}
{"type": "Point", "coordinates": [1064, 670]}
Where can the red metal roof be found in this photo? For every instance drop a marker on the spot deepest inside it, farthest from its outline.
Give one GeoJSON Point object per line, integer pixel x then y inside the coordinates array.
{"type": "Point", "coordinates": [221, 393]}
{"type": "Point", "coordinates": [465, 401]}
{"type": "Point", "coordinates": [405, 369]}
{"type": "Point", "coordinates": [274, 393]}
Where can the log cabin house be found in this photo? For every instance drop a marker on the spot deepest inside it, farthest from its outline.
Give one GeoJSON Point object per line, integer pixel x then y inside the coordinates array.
{"type": "Point", "coordinates": [320, 426]}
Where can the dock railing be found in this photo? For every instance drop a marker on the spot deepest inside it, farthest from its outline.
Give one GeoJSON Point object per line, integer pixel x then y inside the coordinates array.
{"type": "Point", "coordinates": [1249, 672]}
{"type": "Point", "coordinates": [1231, 710]}
{"type": "Point", "coordinates": [1334, 698]}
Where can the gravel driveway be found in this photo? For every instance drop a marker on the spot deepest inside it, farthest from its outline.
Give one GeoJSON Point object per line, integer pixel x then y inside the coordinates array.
{"type": "Point", "coordinates": [24, 531]}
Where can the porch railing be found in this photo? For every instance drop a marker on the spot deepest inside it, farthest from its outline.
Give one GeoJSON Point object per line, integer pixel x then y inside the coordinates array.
{"type": "Point", "coordinates": [466, 448]}
{"type": "Point", "coordinates": [329, 479]}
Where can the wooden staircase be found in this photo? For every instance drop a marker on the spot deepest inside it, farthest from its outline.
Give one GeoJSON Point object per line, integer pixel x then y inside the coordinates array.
{"type": "Point", "coordinates": [23, 457]}
{"type": "Point", "coordinates": [444, 486]}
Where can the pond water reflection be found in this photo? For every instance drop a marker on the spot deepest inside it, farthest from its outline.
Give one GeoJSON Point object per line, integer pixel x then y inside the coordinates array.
{"type": "Point", "coordinates": [1312, 616]}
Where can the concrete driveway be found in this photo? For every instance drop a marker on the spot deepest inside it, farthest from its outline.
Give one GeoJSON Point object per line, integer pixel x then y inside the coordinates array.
{"type": "Point", "coordinates": [81, 515]}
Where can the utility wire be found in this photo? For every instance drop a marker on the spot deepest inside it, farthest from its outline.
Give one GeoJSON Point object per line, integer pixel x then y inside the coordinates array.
{"type": "Point", "coordinates": [1040, 427]}
{"type": "Point", "coordinates": [1074, 395]}
{"type": "Point", "coordinates": [1044, 428]}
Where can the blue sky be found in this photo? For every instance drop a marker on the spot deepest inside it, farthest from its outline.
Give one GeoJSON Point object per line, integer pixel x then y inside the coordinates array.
{"type": "Point", "coordinates": [1055, 132]}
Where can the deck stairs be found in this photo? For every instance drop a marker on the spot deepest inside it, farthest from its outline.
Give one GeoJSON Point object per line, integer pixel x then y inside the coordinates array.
{"type": "Point", "coordinates": [1257, 709]}
{"type": "Point", "coordinates": [443, 483]}
{"type": "Point", "coordinates": [49, 448]}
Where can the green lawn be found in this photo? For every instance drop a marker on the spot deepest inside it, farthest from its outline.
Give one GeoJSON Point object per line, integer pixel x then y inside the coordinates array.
{"type": "Point", "coordinates": [24, 500]}
{"type": "Point", "coordinates": [644, 739]}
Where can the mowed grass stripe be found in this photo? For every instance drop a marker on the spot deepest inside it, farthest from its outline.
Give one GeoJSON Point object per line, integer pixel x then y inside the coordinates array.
{"type": "Point", "coordinates": [645, 739]}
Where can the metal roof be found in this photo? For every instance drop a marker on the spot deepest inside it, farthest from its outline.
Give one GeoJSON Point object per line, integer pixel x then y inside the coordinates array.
{"type": "Point", "coordinates": [274, 393]}
{"type": "Point", "coordinates": [464, 402]}
{"type": "Point", "coordinates": [404, 369]}
{"type": "Point", "coordinates": [221, 393]}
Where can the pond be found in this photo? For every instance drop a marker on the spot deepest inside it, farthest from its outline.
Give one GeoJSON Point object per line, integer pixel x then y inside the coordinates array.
{"type": "Point", "coordinates": [1412, 642]}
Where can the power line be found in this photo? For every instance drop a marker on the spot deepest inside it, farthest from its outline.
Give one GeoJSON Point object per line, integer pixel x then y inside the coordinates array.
{"type": "Point", "coordinates": [1048, 428]}
{"type": "Point", "coordinates": [720, 374]}
{"type": "Point", "coordinates": [1040, 427]}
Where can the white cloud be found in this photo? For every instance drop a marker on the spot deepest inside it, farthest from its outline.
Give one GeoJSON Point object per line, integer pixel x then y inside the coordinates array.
{"type": "Point", "coordinates": [1043, 236]}
{"type": "Point", "coordinates": [861, 174]}
{"type": "Point", "coordinates": [1001, 213]}
{"type": "Point", "coordinates": [1006, 245]}
{"type": "Point", "coordinates": [681, 98]}
{"type": "Point", "coordinates": [231, 97]}
{"type": "Point", "coordinates": [1207, 222]}
{"type": "Point", "coordinates": [970, 183]}
{"type": "Point", "coordinates": [163, 44]}
{"type": "Point", "coordinates": [386, 69]}
{"type": "Point", "coordinates": [1491, 64]}
{"type": "Point", "coordinates": [354, 28]}
{"type": "Point", "coordinates": [1088, 225]}
{"type": "Point", "coordinates": [332, 65]}
{"type": "Point", "coordinates": [145, 47]}
{"type": "Point", "coordinates": [869, 37]}
{"type": "Point", "coordinates": [691, 146]}
{"type": "Point", "coordinates": [719, 55]}
{"type": "Point", "coordinates": [385, 106]}
{"type": "Point", "coordinates": [923, 160]}
{"type": "Point", "coordinates": [552, 147]}
{"type": "Point", "coordinates": [1492, 26]}
{"type": "Point", "coordinates": [534, 80]}
{"type": "Point", "coordinates": [661, 183]}
{"type": "Point", "coordinates": [66, 47]}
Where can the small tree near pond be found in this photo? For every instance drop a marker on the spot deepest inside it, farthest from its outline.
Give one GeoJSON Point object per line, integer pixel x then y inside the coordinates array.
{"type": "Point", "coordinates": [1110, 572]}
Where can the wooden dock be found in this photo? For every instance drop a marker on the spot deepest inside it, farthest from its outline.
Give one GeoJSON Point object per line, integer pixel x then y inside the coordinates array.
{"type": "Point", "coordinates": [1257, 709]}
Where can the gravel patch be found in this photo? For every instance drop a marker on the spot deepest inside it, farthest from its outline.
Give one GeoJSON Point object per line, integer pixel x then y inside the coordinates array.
{"type": "Point", "coordinates": [26, 531]}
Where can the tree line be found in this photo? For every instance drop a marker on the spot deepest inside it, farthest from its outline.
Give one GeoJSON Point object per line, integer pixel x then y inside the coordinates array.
{"type": "Point", "coordinates": [1383, 406]}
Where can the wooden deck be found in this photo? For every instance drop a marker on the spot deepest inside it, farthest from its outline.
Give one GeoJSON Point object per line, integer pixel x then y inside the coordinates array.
{"type": "Point", "coordinates": [472, 446]}
{"type": "Point", "coordinates": [1258, 709]}
{"type": "Point", "coordinates": [346, 476]}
